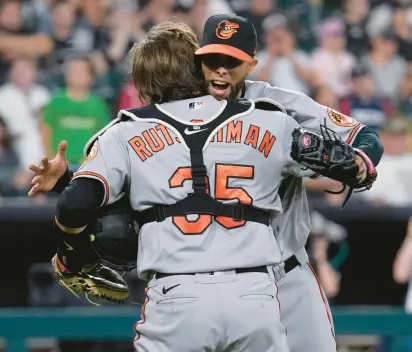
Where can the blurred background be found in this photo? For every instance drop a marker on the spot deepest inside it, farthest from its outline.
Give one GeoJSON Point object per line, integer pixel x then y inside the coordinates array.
{"type": "Point", "coordinates": [64, 74]}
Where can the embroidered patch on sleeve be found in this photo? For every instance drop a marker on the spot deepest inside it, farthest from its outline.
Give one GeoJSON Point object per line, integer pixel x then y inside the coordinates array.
{"type": "Point", "coordinates": [90, 156]}
{"type": "Point", "coordinates": [341, 119]}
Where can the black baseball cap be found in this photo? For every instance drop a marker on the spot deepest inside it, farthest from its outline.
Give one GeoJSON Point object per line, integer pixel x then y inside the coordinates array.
{"type": "Point", "coordinates": [229, 35]}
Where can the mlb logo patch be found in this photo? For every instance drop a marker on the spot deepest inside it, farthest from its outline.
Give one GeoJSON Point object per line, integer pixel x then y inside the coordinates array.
{"type": "Point", "coordinates": [196, 105]}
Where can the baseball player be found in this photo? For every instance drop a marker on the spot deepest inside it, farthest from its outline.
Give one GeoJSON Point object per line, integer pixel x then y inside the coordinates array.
{"type": "Point", "coordinates": [227, 57]}
{"type": "Point", "coordinates": [304, 309]}
{"type": "Point", "coordinates": [204, 203]}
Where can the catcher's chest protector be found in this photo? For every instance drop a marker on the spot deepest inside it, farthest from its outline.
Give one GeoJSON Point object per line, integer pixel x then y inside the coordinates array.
{"type": "Point", "coordinates": [200, 201]}
{"type": "Point", "coordinates": [229, 166]}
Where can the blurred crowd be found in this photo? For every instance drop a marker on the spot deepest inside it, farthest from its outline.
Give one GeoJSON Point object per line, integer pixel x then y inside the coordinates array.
{"type": "Point", "coordinates": [64, 71]}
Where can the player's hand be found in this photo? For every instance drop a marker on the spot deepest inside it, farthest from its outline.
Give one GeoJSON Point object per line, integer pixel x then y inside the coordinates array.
{"type": "Point", "coordinates": [49, 172]}
{"type": "Point", "coordinates": [362, 173]}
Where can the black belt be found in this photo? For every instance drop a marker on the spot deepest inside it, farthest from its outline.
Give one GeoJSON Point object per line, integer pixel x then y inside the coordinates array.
{"type": "Point", "coordinates": [290, 264]}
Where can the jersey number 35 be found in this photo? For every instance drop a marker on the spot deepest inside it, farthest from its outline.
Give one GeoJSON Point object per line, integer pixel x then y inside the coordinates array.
{"type": "Point", "coordinates": [223, 173]}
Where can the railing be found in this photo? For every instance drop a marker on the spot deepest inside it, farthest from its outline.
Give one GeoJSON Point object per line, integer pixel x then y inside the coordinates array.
{"type": "Point", "coordinates": [104, 324]}
{"type": "Point", "coordinates": [90, 323]}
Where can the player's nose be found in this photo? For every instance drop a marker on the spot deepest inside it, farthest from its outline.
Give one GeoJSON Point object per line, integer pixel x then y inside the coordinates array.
{"type": "Point", "coordinates": [221, 71]}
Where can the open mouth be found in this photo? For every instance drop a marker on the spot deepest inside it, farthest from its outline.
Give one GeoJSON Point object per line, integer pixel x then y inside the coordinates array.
{"type": "Point", "coordinates": [219, 85]}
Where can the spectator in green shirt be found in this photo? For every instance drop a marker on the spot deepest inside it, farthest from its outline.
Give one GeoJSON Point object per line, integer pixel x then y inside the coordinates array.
{"type": "Point", "coordinates": [74, 115]}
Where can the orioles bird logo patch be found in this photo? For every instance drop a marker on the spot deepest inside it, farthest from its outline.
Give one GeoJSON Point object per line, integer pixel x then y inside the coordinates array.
{"type": "Point", "coordinates": [341, 119]}
{"type": "Point", "coordinates": [226, 29]}
{"type": "Point", "coordinates": [90, 157]}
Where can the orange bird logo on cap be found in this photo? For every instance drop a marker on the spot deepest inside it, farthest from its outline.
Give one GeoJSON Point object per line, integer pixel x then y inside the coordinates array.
{"type": "Point", "coordinates": [226, 29]}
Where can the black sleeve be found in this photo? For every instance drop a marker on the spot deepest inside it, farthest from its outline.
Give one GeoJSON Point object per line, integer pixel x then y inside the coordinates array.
{"type": "Point", "coordinates": [63, 182]}
{"type": "Point", "coordinates": [368, 140]}
{"type": "Point", "coordinates": [78, 203]}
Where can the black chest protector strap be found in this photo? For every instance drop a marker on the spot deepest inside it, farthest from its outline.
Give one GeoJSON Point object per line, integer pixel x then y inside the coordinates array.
{"type": "Point", "coordinates": [199, 202]}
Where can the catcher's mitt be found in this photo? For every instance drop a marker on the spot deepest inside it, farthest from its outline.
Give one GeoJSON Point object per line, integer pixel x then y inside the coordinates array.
{"type": "Point", "coordinates": [97, 281]}
{"type": "Point", "coordinates": [329, 156]}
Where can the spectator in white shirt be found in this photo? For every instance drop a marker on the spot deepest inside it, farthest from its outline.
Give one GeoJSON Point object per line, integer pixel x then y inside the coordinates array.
{"type": "Point", "coordinates": [21, 101]}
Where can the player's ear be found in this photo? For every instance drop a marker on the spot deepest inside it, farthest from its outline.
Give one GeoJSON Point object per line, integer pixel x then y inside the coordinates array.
{"type": "Point", "coordinates": [251, 66]}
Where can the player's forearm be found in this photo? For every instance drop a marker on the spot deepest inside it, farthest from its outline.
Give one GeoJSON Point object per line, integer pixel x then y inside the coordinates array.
{"type": "Point", "coordinates": [63, 181]}
{"type": "Point", "coordinates": [69, 230]}
{"type": "Point", "coordinates": [77, 204]}
{"type": "Point", "coordinates": [368, 140]}
{"type": "Point", "coordinates": [74, 211]}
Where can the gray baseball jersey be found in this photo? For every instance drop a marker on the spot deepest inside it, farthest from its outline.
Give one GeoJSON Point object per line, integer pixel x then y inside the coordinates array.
{"type": "Point", "coordinates": [247, 157]}
{"type": "Point", "coordinates": [293, 226]}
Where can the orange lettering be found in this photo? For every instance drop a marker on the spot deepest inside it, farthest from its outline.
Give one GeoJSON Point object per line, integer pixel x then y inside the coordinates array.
{"type": "Point", "coordinates": [234, 132]}
{"type": "Point", "coordinates": [252, 136]}
{"type": "Point", "coordinates": [165, 133]}
{"type": "Point", "coordinates": [140, 148]}
{"type": "Point", "coordinates": [154, 141]}
{"type": "Point", "coordinates": [219, 135]}
{"type": "Point", "coordinates": [267, 143]}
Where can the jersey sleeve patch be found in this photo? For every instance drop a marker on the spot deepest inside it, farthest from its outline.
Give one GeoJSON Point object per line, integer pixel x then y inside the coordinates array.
{"type": "Point", "coordinates": [341, 119]}
{"type": "Point", "coordinates": [90, 156]}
